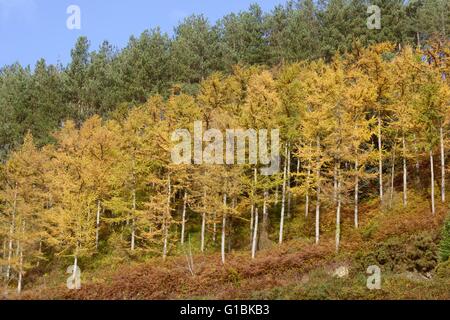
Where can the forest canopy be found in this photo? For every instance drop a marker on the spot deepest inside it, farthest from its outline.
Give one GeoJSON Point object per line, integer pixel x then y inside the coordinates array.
{"type": "Point", "coordinates": [363, 115]}
{"type": "Point", "coordinates": [40, 97]}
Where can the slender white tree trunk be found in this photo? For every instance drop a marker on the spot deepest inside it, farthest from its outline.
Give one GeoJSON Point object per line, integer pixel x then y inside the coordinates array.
{"type": "Point", "coordinates": [442, 164]}
{"type": "Point", "coordinates": [4, 254]}
{"type": "Point", "coordinates": [214, 226]}
{"type": "Point", "coordinates": [255, 234]}
{"type": "Point", "coordinates": [264, 233]}
{"type": "Point", "coordinates": [416, 152]}
{"type": "Point", "coordinates": [405, 174]}
{"type": "Point", "coordinates": [318, 194]}
{"type": "Point", "coordinates": [230, 224]}
{"type": "Point", "coordinates": [392, 179]}
{"type": "Point", "coordinates": [166, 219]}
{"type": "Point", "coordinates": [20, 273]}
{"type": "Point", "coordinates": [380, 158]}
{"type": "Point", "coordinates": [308, 177]}
{"type": "Point", "coordinates": [433, 207]}
{"type": "Point", "coordinates": [11, 234]}
{"type": "Point", "coordinates": [356, 193]}
{"type": "Point", "coordinates": [338, 215]}
{"type": "Point", "coordinates": [335, 182]}
{"type": "Point", "coordinates": [202, 245]}
{"type": "Point", "coordinates": [255, 180]}
{"type": "Point", "coordinates": [298, 169]}
{"type": "Point", "coordinates": [134, 206]}
{"type": "Point", "coordinates": [289, 202]}
{"type": "Point", "coordinates": [133, 224]}
{"type": "Point", "coordinates": [224, 225]}
{"type": "Point", "coordinates": [202, 240]}
{"type": "Point", "coordinates": [75, 266]}
{"type": "Point", "coordinates": [276, 194]}
{"type": "Point", "coordinates": [252, 223]}
{"type": "Point", "coordinates": [10, 253]}
{"type": "Point", "coordinates": [288, 182]}
{"type": "Point", "coordinates": [417, 165]}
{"type": "Point", "coordinates": [166, 240]}
{"type": "Point", "coordinates": [183, 218]}
{"type": "Point", "coordinates": [265, 221]}
{"type": "Point", "coordinates": [283, 197]}
{"type": "Point", "coordinates": [97, 224]}
{"type": "Point", "coordinates": [190, 259]}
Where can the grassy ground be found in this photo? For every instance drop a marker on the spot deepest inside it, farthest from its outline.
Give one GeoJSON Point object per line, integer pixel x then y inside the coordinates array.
{"type": "Point", "coordinates": [404, 243]}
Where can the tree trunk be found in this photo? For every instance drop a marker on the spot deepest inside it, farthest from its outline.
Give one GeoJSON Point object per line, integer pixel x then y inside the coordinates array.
{"type": "Point", "coordinates": [255, 234]}
{"type": "Point", "coordinates": [11, 234]}
{"type": "Point", "coordinates": [252, 223]}
{"type": "Point", "coordinates": [392, 179]}
{"type": "Point", "coordinates": [229, 234]}
{"type": "Point", "coordinates": [224, 224]}
{"type": "Point", "coordinates": [183, 218]}
{"type": "Point", "coordinates": [202, 236]}
{"type": "Point", "coordinates": [416, 152]}
{"type": "Point", "coordinates": [338, 215]}
{"type": "Point", "coordinates": [20, 271]}
{"type": "Point", "coordinates": [133, 225]}
{"type": "Point", "coordinates": [97, 225]}
{"type": "Point", "coordinates": [253, 204]}
{"type": "Point", "coordinates": [4, 254]}
{"type": "Point", "coordinates": [442, 164]}
{"type": "Point", "coordinates": [214, 226]}
{"type": "Point", "coordinates": [405, 174]}
{"type": "Point", "coordinates": [433, 207]}
{"type": "Point", "coordinates": [356, 193]}
{"type": "Point", "coordinates": [335, 183]}
{"type": "Point", "coordinates": [202, 244]}
{"type": "Point", "coordinates": [288, 185]}
{"type": "Point", "coordinates": [317, 231]}
{"type": "Point", "coordinates": [380, 159]}
{"type": "Point", "coordinates": [75, 267]}
{"type": "Point", "coordinates": [283, 197]}
{"type": "Point", "coordinates": [307, 190]}
{"type": "Point", "coordinates": [264, 238]}
{"type": "Point", "coordinates": [276, 194]}
{"type": "Point", "coordinates": [133, 222]}
{"type": "Point", "coordinates": [166, 219]}
{"type": "Point", "coordinates": [265, 213]}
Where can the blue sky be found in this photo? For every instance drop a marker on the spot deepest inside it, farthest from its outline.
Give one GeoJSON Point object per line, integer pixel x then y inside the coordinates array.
{"type": "Point", "coordinates": [33, 29]}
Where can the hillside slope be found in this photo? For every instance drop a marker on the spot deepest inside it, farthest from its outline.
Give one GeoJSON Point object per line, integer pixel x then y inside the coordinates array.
{"type": "Point", "coordinates": [404, 243]}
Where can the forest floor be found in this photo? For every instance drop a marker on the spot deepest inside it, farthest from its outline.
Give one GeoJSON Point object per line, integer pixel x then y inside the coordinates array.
{"type": "Point", "coordinates": [403, 243]}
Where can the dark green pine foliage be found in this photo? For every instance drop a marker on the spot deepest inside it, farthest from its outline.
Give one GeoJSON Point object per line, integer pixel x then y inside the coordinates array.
{"type": "Point", "coordinates": [101, 81]}
{"type": "Point", "coordinates": [15, 105]}
{"type": "Point", "coordinates": [195, 51]}
{"type": "Point", "coordinates": [300, 39]}
{"type": "Point", "coordinates": [143, 67]}
{"type": "Point", "coordinates": [76, 79]}
{"type": "Point", "coordinates": [244, 36]}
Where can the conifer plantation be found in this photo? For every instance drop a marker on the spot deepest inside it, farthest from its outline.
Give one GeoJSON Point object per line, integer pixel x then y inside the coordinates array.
{"type": "Point", "coordinates": [87, 178]}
